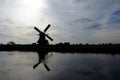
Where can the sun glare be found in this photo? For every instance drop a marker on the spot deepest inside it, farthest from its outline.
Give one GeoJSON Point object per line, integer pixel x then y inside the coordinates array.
{"type": "Point", "coordinates": [30, 11]}
{"type": "Point", "coordinates": [34, 4]}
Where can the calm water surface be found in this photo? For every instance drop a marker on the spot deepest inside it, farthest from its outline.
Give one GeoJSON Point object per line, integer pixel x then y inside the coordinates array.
{"type": "Point", "coordinates": [58, 66]}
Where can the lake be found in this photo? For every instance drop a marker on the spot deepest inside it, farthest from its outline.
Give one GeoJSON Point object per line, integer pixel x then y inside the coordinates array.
{"type": "Point", "coordinates": [16, 65]}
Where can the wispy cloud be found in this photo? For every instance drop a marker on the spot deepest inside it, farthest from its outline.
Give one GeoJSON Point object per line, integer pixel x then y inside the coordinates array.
{"type": "Point", "coordinates": [117, 13]}
{"type": "Point", "coordinates": [115, 17]}
{"type": "Point", "coordinates": [83, 20]}
{"type": "Point", "coordinates": [95, 26]}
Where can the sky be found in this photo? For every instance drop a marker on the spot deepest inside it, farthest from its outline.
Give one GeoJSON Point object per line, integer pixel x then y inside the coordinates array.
{"type": "Point", "coordinates": [74, 21]}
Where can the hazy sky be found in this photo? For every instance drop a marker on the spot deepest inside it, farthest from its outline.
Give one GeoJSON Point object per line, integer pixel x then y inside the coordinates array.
{"type": "Point", "coordinates": [75, 21]}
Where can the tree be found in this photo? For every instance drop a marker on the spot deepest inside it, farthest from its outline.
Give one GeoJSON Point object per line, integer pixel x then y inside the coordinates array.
{"type": "Point", "coordinates": [11, 43]}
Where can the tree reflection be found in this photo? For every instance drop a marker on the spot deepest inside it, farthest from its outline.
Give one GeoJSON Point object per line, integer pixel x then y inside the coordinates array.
{"type": "Point", "coordinates": [42, 57]}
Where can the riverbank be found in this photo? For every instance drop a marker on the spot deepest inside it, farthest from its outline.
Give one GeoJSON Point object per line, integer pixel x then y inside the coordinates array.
{"type": "Point", "coordinates": [111, 48]}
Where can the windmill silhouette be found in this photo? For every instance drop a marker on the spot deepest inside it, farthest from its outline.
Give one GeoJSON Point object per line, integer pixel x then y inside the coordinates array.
{"type": "Point", "coordinates": [42, 41]}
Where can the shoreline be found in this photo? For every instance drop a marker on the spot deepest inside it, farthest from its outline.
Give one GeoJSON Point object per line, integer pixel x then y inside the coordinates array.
{"type": "Point", "coordinates": [111, 49]}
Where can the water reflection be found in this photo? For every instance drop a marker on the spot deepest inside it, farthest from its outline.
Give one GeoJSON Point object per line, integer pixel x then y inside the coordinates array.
{"type": "Point", "coordinates": [19, 66]}
{"type": "Point", "coordinates": [42, 57]}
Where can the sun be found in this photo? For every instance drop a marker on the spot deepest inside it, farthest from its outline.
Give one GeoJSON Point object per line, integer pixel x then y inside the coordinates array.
{"type": "Point", "coordinates": [34, 4]}
{"type": "Point", "coordinates": [28, 12]}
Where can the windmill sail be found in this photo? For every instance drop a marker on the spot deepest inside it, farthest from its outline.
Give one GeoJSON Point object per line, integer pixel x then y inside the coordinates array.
{"type": "Point", "coordinates": [48, 37]}
{"type": "Point", "coordinates": [37, 29]}
{"type": "Point", "coordinates": [47, 27]}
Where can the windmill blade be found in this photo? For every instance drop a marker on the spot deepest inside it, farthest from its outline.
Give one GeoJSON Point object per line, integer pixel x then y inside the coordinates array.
{"type": "Point", "coordinates": [47, 68]}
{"type": "Point", "coordinates": [48, 37]}
{"type": "Point", "coordinates": [47, 27]}
{"type": "Point", "coordinates": [37, 29]}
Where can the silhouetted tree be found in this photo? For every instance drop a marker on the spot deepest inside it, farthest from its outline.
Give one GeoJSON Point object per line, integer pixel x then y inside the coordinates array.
{"type": "Point", "coordinates": [1, 44]}
{"type": "Point", "coordinates": [66, 43]}
{"type": "Point", "coordinates": [11, 43]}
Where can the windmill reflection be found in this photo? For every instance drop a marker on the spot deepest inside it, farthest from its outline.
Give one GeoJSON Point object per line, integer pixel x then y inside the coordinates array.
{"type": "Point", "coordinates": [42, 57]}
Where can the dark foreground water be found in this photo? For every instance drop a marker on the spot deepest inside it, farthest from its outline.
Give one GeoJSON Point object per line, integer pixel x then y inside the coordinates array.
{"type": "Point", "coordinates": [58, 66]}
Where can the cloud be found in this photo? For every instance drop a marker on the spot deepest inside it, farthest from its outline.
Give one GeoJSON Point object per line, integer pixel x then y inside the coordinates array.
{"type": "Point", "coordinates": [83, 20]}
{"type": "Point", "coordinates": [107, 36]}
{"type": "Point", "coordinates": [115, 18]}
{"type": "Point", "coordinates": [117, 13]}
{"type": "Point", "coordinates": [95, 26]}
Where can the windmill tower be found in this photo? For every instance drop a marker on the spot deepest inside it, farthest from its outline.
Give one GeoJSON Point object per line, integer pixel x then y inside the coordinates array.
{"type": "Point", "coordinates": [42, 41]}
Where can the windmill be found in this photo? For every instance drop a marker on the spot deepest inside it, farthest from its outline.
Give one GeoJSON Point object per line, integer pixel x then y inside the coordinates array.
{"type": "Point", "coordinates": [42, 36]}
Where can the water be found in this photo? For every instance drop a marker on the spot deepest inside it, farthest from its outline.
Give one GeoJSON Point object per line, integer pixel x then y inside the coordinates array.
{"type": "Point", "coordinates": [58, 66]}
